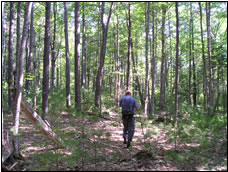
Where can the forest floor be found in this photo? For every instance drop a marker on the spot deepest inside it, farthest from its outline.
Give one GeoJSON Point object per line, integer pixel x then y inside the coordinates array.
{"type": "Point", "coordinates": [97, 145]}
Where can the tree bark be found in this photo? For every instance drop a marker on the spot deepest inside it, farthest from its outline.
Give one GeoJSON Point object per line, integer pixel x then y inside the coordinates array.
{"type": "Point", "coordinates": [39, 52]}
{"type": "Point", "coordinates": [3, 32]}
{"type": "Point", "coordinates": [153, 64]}
{"type": "Point", "coordinates": [2, 62]}
{"type": "Point", "coordinates": [102, 55]}
{"type": "Point", "coordinates": [190, 58]}
{"type": "Point", "coordinates": [53, 57]}
{"type": "Point", "coordinates": [129, 46]}
{"type": "Point", "coordinates": [46, 61]}
{"type": "Point", "coordinates": [68, 102]}
{"type": "Point", "coordinates": [77, 57]}
{"type": "Point", "coordinates": [10, 57]}
{"type": "Point", "coordinates": [20, 76]}
{"type": "Point", "coordinates": [117, 64]}
{"type": "Point", "coordinates": [193, 58]}
{"type": "Point", "coordinates": [162, 75]}
{"type": "Point", "coordinates": [35, 78]}
{"type": "Point", "coordinates": [30, 55]}
{"type": "Point", "coordinates": [210, 94]}
{"type": "Point", "coordinates": [147, 63]}
{"type": "Point", "coordinates": [33, 54]}
{"type": "Point", "coordinates": [40, 124]}
{"type": "Point", "coordinates": [18, 36]}
{"type": "Point", "coordinates": [177, 68]}
{"type": "Point", "coordinates": [83, 76]}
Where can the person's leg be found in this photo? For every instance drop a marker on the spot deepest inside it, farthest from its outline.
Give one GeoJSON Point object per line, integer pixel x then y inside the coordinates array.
{"type": "Point", "coordinates": [125, 130]}
{"type": "Point", "coordinates": [131, 130]}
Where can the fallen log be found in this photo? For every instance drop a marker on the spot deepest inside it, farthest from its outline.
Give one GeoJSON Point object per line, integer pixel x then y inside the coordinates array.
{"type": "Point", "coordinates": [39, 123]}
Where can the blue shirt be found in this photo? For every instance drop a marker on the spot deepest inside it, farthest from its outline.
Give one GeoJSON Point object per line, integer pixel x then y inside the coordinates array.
{"type": "Point", "coordinates": [128, 104]}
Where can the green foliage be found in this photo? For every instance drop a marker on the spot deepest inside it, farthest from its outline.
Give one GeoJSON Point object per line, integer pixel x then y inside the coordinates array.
{"type": "Point", "coordinates": [204, 132]}
{"type": "Point", "coordinates": [175, 156]}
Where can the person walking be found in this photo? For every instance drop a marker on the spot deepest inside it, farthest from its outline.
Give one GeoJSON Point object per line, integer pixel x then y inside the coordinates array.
{"type": "Point", "coordinates": [128, 104]}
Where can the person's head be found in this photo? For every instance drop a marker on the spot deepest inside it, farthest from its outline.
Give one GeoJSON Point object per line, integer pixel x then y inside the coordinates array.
{"type": "Point", "coordinates": [128, 93]}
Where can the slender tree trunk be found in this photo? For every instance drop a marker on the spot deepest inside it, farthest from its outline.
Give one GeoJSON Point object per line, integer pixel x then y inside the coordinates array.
{"type": "Point", "coordinates": [30, 55]}
{"type": "Point", "coordinates": [18, 35]}
{"type": "Point", "coordinates": [153, 65]}
{"type": "Point", "coordinates": [68, 102]}
{"type": "Point", "coordinates": [27, 64]}
{"type": "Point", "coordinates": [57, 72]}
{"type": "Point", "coordinates": [210, 95]}
{"type": "Point", "coordinates": [3, 32]}
{"type": "Point", "coordinates": [20, 79]}
{"type": "Point", "coordinates": [102, 55]}
{"type": "Point", "coordinates": [193, 58]}
{"type": "Point", "coordinates": [53, 58]}
{"type": "Point", "coordinates": [137, 78]}
{"type": "Point", "coordinates": [190, 58]}
{"type": "Point", "coordinates": [177, 68]}
{"type": "Point", "coordinates": [39, 51]}
{"type": "Point", "coordinates": [83, 77]}
{"type": "Point", "coordinates": [10, 57]}
{"type": "Point", "coordinates": [31, 49]}
{"type": "Point", "coordinates": [118, 60]}
{"type": "Point", "coordinates": [169, 74]}
{"type": "Point", "coordinates": [2, 62]}
{"type": "Point", "coordinates": [46, 61]}
{"type": "Point", "coordinates": [5, 71]}
{"type": "Point", "coordinates": [116, 57]}
{"type": "Point", "coordinates": [162, 75]}
{"type": "Point", "coordinates": [147, 63]}
{"type": "Point", "coordinates": [129, 45]}
{"type": "Point", "coordinates": [77, 57]}
{"type": "Point", "coordinates": [34, 70]}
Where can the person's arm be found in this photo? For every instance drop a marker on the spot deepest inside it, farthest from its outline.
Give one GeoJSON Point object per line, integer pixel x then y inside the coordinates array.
{"type": "Point", "coordinates": [136, 105]}
{"type": "Point", "coordinates": [120, 104]}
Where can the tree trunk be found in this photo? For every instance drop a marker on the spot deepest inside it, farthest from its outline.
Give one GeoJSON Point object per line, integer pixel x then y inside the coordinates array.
{"type": "Point", "coordinates": [40, 124]}
{"type": "Point", "coordinates": [53, 56]}
{"type": "Point", "coordinates": [116, 57]}
{"type": "Point", "coordinates": [83, 76]}
{"type": "Point", "coordinates": [68, 102]}
{"type": "Point", "coordinates": [147, 63]}
{"type": "Point", "coordinates": [153, 65]}
{"type": "Point", "coordinates": [18, 36]}
{"type": "Point", "coordinates": [10, 57]}
{"type": "Point", "coordinates": [210, 95]}
{"type": "Point", "coordinates": [77, 57]}
{"type": "Point", "coordinates": [102, 55]}
{"type": "Point", "coordinates": [33, 54]}
{"type": "Point", "coordinates": [39, 52]}
{"type": "Point", "coordinates": [20, 76]}
{"type": "Point", "coordinates": [136, 73]}
{"type": "Point", "coordinates": [177, 66]}
{"type": "Point", "coordinates": [35, 78]}
{"type": "Point", "coordinates": [46, 61]}
{"type": "Point", "coordinates": [193, 58]}
{"type": "Point", "coordinates": [2, 74]}
{"type": "Point", "coordinates": [3, 32]}
{"type": "Point", "coordinates": [162, 75]}
{"type": "Point", "coordinates": [190, 59]}
{"type": "Point", "coordinates": [30, 55]}
{"type": "Point", "coordinates": [129, 46]}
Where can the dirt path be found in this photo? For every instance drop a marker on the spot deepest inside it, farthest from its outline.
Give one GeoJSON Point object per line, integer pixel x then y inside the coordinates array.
{"type": "Point", "coordinates": [100, 143]}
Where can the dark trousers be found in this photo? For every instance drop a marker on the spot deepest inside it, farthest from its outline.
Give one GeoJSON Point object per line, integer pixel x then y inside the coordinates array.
{"type": "Point", "coordinates": [129, 126]}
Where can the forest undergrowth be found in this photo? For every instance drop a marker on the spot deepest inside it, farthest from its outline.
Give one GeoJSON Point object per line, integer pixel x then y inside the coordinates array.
{"type": "Point", "coordinates": [93, 140]}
